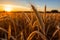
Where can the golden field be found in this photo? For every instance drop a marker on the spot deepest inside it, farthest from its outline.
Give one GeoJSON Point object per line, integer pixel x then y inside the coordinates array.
{"type": "Point", "coordinates": [29, 26]}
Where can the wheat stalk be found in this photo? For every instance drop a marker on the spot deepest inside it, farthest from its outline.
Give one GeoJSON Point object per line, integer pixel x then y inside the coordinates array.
{"type": "Point", "coordinates": [3, 29]}
{"type": "Point", "coordinates": [36, 32]}
{"type": "Point", "coordinates": [39, 19]}
{"type": "Point", "coordinates": [9, 32]}
{"type": "Point", "coordinates": [10, 20]}
{"type": "Point", "coordinates": [55, 32]}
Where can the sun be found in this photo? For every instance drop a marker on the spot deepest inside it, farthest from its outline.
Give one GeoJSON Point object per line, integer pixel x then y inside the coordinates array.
{"type": "Point", "coordinates": [8, 8]}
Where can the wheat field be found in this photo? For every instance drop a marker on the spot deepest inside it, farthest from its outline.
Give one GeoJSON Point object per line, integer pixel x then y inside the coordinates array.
{"type": "Point", "coordinates": [29, 26]}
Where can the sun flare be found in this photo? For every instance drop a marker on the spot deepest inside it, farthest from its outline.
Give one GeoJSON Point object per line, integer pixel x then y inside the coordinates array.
{"type": "Point", "coordinates": [8, 8]}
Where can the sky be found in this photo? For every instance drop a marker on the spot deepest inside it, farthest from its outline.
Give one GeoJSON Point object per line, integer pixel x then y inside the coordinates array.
{"type": "Point", "coordinates": [39, 4]}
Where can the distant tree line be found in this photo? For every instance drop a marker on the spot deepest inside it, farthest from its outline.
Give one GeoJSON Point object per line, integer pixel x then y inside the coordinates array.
{"type": "Point", "coordinates": [54, 11]}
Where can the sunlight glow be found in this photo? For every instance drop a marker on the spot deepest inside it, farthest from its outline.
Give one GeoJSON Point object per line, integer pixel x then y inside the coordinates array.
{"type": "Point", "coordinates": [7, 8]}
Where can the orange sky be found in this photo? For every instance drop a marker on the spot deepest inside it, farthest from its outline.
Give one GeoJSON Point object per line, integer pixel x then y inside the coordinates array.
{"type": "Point", "coordinates": [24, 5]}
{"type": "Point", "coordinates": [23, 8]}
{"type": "Point", "coordinates": [14, 7]}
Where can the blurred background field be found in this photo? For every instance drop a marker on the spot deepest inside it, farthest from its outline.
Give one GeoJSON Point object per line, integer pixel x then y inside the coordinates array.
{"type": "Point", "coordinates": [22, 24]}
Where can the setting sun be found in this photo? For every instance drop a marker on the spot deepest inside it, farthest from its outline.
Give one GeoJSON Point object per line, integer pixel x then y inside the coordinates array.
{"type": "Point", "coordinates": [8, 8]}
